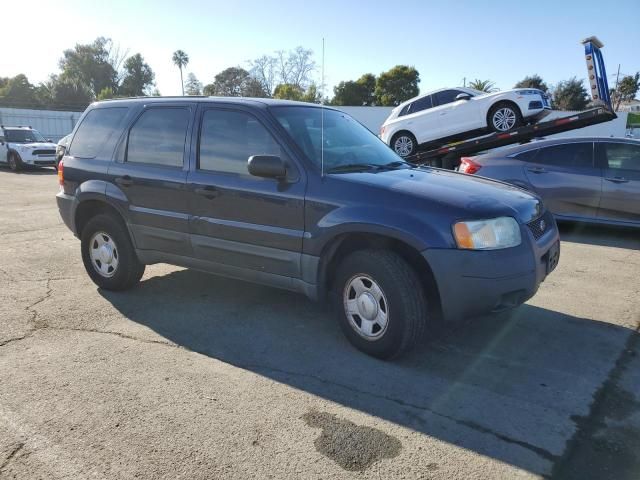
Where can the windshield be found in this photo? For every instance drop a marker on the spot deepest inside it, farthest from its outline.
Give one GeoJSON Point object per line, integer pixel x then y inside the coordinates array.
{"type": "Point", "coordinates": [347, 143]}
{"type": "Point", "coordinates": [23, 136]}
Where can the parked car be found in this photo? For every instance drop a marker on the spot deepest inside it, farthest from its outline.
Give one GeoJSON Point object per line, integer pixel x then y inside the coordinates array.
{"type": "Point", "coordinates": [61, 148]}
{"type": "Point", "coordinates": [246, 188]}
{"type": "Point", "coordinates": [24, 146]}
{"type": "Point", "coordinates": [457, 113]}
{"type": "Point", "coordinates": [581, 179]}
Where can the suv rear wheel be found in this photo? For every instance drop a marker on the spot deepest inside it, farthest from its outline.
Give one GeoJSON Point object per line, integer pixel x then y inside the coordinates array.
{"type": "Point", "coordinates": [380, 303]}
{"type": "Point", "coordinates": [108, 254]}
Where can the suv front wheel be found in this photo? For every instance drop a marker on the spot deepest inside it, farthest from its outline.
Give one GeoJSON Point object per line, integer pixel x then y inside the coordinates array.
{"type": "Point", "coordinates": [108, 254]}
{"type": "Point", "coordinates": [380, 303]}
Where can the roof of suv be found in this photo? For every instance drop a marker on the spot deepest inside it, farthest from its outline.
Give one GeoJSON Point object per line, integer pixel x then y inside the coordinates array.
{"type": "Point", "coordinates": [256, 102]}
{"type": "Point", "coordinates": [510, 150]}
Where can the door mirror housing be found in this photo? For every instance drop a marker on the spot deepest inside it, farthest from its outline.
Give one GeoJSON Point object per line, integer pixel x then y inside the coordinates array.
{"type": "Point", "coordinates": [267, 166]}
{"type": "Point", "coordinates": [463, 96]}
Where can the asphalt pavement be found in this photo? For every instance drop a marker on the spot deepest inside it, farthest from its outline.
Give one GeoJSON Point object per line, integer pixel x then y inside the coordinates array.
{"type": "Point", "coordinates": [198, 377]}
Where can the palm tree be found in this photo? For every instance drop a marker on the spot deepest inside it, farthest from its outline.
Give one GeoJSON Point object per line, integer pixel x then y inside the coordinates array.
{"type": "Point", "coordinates": [483, 85]}
{"type": "Point", "coordinates": [180, 59]}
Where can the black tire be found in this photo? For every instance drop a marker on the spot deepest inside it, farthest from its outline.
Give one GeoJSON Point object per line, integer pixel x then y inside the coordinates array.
{"type": "Point", "coordinates": [129, 270]}
{"type": "Point", "coordinates": [504, 125]}
{"type": "Point", "coordinates": [15, 164]}
{"type": "Point", "coordinates": [401, 140]}
{"type": "Point", "coordinates": [405, 303]}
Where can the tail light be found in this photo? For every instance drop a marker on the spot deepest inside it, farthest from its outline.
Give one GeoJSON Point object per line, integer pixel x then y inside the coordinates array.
{"type": "Point", "coordinates": [468, 166]}
{"type": "Point", "coordinates": [382, 129]}
{"type": "Point", "coordinates": [61, 173]}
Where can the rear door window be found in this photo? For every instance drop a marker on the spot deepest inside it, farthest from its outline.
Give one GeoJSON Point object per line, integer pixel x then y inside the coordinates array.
{"type": "Point", "coordinates": [158, 137]}
{"type": "Point", "coordinates": [423, 103]}
{"type": "Point", "coordinates": [96, 130]}
{"type": "Point", "coordinates": [568, 155]}
{"type": "Point", "coordinates": [446, 96]}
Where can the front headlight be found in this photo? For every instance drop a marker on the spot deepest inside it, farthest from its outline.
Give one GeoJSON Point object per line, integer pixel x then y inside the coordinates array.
{"type": "Point", "coordinates": [502, 232]}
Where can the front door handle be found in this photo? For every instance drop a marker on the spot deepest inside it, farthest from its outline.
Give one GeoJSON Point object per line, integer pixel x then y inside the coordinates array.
{"type": "Point", "coordinates": [616, 179]}
{"type": "Point", "coordinates": [125, 181]}
{"type": "Point", "coordinates": [207, 192]}
{"type": "Point", "coordinates": [537, 170]}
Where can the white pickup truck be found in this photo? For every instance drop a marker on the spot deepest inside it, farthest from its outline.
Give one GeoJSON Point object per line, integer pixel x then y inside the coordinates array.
{"type": "Point", "coordinates": [22, 146]}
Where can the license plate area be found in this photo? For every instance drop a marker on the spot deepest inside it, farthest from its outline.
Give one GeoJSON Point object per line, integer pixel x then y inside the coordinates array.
{"type": "Point", "coordinates": [552, 257]}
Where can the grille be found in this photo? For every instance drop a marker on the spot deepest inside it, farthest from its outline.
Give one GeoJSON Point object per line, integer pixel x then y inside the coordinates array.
{"type": "Point", "coordinates": [44, 152]}
{"type": "Point", "coordinates": [541, 225]}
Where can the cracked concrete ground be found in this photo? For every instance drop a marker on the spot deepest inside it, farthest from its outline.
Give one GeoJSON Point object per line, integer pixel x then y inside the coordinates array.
{"type": "Point", "coordinates": [193, 376]}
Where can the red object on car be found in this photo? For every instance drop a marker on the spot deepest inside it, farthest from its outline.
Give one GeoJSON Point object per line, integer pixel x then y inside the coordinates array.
{"type": "Point", "coordinates": [467, 165]}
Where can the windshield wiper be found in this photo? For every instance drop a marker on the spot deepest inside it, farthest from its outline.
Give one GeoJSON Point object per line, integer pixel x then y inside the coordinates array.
{"type": "Point", "coordinates": [362, 167]}
{"type": "Point", "coordinates": [352, 167]}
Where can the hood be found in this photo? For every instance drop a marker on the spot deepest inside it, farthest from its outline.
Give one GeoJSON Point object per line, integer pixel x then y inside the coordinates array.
{"type": "Point", "coordinates": [465, 197]}
{"type": "Point", "coordinates": [35, 145]}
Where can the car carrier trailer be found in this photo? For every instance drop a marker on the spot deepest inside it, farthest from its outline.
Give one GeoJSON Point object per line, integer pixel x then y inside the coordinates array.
{"type": "Point", "coordinates": [448, 155]}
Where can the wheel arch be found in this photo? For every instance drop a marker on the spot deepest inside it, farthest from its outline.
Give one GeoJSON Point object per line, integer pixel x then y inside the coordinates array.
{"type": "Point", "coordinates": [89, 208]}
{"type": "Point", "coordinates": [344, 244]}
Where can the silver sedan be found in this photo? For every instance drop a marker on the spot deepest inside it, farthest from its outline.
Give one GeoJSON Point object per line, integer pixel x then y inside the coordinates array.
{"type": "Point", "coordinates": [594, 180]}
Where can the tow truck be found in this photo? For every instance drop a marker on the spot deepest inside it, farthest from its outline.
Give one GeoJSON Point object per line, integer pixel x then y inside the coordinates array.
{"type": "Point", "coordinates": [448, 155]}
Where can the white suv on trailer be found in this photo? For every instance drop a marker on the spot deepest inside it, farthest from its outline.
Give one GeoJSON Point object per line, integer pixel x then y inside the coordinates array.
{"type": "Point", "coordinates": [452, 114]}
{"type": "Point", "coordinates": [20, 146]}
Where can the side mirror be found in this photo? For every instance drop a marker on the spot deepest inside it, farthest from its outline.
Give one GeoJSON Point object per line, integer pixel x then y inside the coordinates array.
{"type": "Point", "coordinates": [463, 96]}
{"type": "Point", "coordinates": [49, 140]}
{"type": "Point", "coordinates": [267, 166]}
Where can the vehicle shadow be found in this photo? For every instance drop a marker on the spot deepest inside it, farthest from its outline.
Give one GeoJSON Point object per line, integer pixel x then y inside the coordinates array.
{"type": "Point", "coordinates": [605, 236]}
{"type": "Point", "coordinates": [502, 386]}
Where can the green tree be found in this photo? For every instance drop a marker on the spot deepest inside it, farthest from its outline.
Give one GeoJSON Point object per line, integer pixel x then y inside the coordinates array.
{"type": "Point", "coordinates": [486, 86]}
{"type": "Point", "coordinates": [90, 66]}
{"type": "Point", "coordinates": [570, 95]}
{"type": "Point", "coordinates": [138, 77]}
{"type": "Point", "coordinates": [180, 60]}
{"type": "Point", "coordinates": [357, 93]}
{"type": "Point", "coordinates": [193, 85]}
{"type": "Point", "coordinates": [68, 95]}
{"type": "Point", "coordinates": [532, 81]}
{"type": "Point", "coordinates": [19, 92]}
{"type": "Point", "coordinates": [397, 85]}
{"type": "Point", "coordinates": [105, 94]}
{"type": "Point", "coordinates": [627, 90]}
{"type": "Point", "coordinates": [312, 95]}
{"type": "Point", "coordinates": [288, 91]}
{"type": "Point", "coordinates": [235, 82]}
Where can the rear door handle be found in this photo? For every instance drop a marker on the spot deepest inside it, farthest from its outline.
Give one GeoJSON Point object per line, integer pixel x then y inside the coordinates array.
{"type": "Point", "coordinates": [617, 179]}
{"type": "Point", "coordinates": [207, 192]}
{"type": "Point", "coordinates": [537, 170]}
{"type": "Point", "coordinates": [125, 181]}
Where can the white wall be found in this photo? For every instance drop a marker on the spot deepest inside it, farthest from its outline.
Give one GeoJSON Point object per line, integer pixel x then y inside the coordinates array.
{"type": "Point", "coordinates": [50, 123]}
{"type": "Point", "coordinates": [374, 117]}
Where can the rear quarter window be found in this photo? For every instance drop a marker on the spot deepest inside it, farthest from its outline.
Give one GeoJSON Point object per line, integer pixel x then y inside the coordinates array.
{"type": "Point", "coordinates": [526, 156]}
{"type": "Point", "coordinates": [96, 130]}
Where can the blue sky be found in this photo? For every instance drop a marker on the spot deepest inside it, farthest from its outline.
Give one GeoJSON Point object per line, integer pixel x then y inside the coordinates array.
{"type": "Point", "coordinates": [446, 41]}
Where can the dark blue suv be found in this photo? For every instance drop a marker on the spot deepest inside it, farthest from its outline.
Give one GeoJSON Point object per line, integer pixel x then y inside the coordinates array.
{"type": "Point", "coordinates": [299, 197]}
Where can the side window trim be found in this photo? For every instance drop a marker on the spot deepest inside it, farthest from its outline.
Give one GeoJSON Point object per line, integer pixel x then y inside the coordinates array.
{"type": "Point", "coordinates": [545, 147]}
{"type": "Point", "coordinates": [124, 144]}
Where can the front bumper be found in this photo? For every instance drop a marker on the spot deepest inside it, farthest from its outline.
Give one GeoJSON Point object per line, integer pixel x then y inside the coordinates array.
{"type": "Point", "coordinates": [472, 282]}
